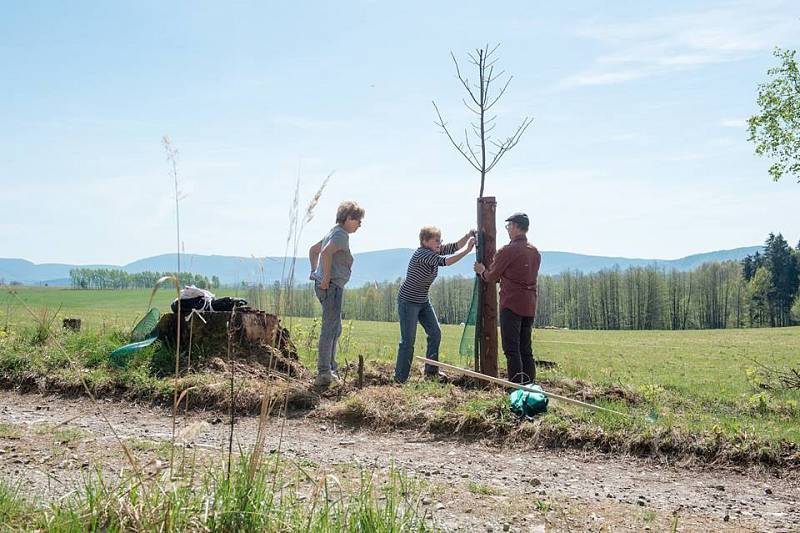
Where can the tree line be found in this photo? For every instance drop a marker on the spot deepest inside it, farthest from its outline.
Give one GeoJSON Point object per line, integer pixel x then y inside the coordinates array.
{"type": "Point", "coordinates": [761, 290]}
{"type": "Point", "coordinates": [712, 296]}
{"type": "Point", "coordinates": [110, 278]}
{"type": "Point", "coordinates": [773, 278]}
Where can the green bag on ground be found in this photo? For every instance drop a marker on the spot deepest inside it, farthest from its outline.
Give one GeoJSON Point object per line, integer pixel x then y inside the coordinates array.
{"type": "Point", "coordinates": [528, 403]}
{"type": "Point", "coordinates": [143, 335]}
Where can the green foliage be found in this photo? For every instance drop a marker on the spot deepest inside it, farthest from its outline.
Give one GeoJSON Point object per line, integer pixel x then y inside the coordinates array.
{"type": "Point", "coordinates": [111, 278]}
{"type": "Point", "coordinates": [773, 282]}
{"type": "Point", "coordinates": [273, 498]}
{"type": "Point", "coordinates": [8, 431]}
{"type": "Point", "coordinates": [758, 403]}
{"type": "Point", "coordinates": [543, 506]}
{"type": "Point", "coordinates": [795, 312]}
{"type": "Point", "coordinates": [13, 509]}
{"type": "Point", "coordinates": [776, 129]}
{"type": "Point", "coordinates": [482, 488]}
{"type": "Point", "coordinates": [759, 290]}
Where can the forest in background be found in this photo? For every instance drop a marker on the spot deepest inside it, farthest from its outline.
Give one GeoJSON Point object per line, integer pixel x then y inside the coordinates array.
{"type": "Point", "coordinates": [759, 291]}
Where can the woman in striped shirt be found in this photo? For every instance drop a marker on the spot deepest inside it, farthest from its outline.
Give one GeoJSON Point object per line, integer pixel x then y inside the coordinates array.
{"type": "Point", "coordinates": [413, 304]}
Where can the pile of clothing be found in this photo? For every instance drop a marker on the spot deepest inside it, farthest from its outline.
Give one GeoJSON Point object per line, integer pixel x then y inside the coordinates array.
{"type": "Point", "coordinates": [196, 298]}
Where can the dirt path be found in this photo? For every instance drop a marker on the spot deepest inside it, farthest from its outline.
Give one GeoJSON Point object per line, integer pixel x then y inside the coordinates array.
{"type": "Point", "coordinates": [49, 442]}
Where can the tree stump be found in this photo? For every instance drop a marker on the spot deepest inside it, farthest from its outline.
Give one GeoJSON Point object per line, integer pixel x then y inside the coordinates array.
{"type": "Point", "coordinates": [255, 336]}
{"type": "Point", "coordinates": [73, 324]}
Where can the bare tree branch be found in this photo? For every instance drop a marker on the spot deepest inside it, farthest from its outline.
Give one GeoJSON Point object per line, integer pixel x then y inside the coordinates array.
{"type": "Point", "coordinates": [464, 81]}
{"type": "Point", "coordinates": [486, 84]}
{"type": "Point", "coordinates": [471, 151]}
{"type": "Point", "coordinates": [480, 101]}
{"type": "Point", "coordinates": [502, 92]}
{"type": "Point", "coordinates": [442, 124]}
{"type": "Point", "coordinates": [498, 75]}
{"type": "Point", "coordinates": [510, 143]}
{"type": "Point", "coordinates": [476, 111]}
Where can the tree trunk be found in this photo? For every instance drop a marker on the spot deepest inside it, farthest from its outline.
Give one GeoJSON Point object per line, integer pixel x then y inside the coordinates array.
{"type": "Point", "coordinates": [488, 291]}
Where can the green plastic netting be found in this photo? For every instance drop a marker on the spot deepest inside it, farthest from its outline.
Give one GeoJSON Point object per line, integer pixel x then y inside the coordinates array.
{"type": "Point", "coordinates": [467, 347]}
{"type": "Point", "coordinates": [144, 334]}
{"type": "Point", "coordinates": [146, 325]}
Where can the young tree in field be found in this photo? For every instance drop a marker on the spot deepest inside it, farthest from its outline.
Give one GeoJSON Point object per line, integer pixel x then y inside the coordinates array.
{"type": "Point", "coordinates": [483, 151]}
{"type": "Point", "coordinates": [776, 129]}
{"type": "Point", "coordinates": [479, 146]}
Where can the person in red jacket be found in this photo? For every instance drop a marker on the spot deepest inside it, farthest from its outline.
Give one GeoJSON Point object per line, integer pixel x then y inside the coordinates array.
{"type": "Point", "coordinates": [516, 266]}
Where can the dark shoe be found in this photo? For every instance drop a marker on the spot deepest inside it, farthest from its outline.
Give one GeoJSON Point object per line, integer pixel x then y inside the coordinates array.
{"type": "Point", "coordinates": [326, 379]}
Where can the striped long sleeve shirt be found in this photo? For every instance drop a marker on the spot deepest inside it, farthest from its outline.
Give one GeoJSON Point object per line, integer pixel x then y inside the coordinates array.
{"type": "Point", "coordinates": [422, 271]}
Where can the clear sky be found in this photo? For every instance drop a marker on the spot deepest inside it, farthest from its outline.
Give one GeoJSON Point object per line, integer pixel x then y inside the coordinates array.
{"type": "Point", "coordinates": [638, 146]}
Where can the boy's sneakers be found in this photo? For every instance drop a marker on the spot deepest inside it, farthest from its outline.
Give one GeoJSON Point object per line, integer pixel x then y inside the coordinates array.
{"type": "Point", "coordinates": [326, 379]}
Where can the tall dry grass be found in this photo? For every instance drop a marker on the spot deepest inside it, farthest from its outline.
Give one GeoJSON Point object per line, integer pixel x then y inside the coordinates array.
{"type": "Point", "coordinates": [279, 299]}
{"type": "Point", "coordinates": [172, 161]}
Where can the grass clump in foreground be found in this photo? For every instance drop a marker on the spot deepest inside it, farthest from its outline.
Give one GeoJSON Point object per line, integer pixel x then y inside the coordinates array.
{"type": "Point", "coordinates": [273, 497]}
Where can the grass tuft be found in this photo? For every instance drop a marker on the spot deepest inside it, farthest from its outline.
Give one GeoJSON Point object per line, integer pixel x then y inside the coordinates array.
{"type": "Point", "coordinates": [276, 498]}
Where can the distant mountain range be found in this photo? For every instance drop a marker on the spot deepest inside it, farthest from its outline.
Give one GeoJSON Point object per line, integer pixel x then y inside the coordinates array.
{"type": "Point", "coordinates": [369, 266]}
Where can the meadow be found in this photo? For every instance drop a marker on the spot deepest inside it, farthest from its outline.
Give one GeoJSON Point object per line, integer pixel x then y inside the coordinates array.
{"type": "Point", "coordinates": [700, 381]}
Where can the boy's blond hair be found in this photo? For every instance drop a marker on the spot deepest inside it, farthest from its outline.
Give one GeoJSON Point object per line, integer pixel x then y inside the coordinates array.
{"type": "Point", "coordinates": [428, 232]}
{"type": "Point", "coordinates": [347, 210]}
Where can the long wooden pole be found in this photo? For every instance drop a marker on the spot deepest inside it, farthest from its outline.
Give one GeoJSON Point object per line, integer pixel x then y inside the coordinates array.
{"type": "Point", "coordinates": [511, 385]}
{"type": "Point", "coordinates": [487, 317]}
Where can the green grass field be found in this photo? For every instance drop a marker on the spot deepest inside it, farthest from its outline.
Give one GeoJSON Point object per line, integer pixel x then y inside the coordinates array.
{"type": "Point", "coordinates": [700, 380]}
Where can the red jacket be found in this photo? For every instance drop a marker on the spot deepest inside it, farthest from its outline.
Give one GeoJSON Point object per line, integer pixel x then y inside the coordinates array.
{"type": "Point", "coordinates": [516, 265]}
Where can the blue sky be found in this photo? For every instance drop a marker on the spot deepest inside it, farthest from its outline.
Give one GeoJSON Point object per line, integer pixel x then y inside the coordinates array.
{"type": "Point", "coordinates": [638, 145]}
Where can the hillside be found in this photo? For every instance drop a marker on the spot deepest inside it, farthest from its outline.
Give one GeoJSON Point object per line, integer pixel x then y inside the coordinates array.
{"type": "Point", "coordinates": [369, 266]}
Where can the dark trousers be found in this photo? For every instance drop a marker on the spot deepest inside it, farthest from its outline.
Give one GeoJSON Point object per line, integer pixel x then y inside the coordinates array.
{"type": "Point", "coordinates": [516, 332]}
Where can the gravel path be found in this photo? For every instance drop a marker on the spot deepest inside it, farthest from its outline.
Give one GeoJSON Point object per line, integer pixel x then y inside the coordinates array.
{"type": "Point", "coordinates": [49, 442]}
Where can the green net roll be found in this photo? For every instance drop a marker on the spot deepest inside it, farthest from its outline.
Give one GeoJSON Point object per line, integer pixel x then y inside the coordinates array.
{"type": "Point", "coordinates": [144, 334]}
{"type": "Point", "coordinates": [467, 347]}
{"type": "Point", "coordinates": [146, 325]}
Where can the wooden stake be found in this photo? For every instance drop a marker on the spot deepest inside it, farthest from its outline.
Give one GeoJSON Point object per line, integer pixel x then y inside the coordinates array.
{"type": "Point", "coordinates": [511, 385]}
{"type": "Point", "coordinates": [487, 308]}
